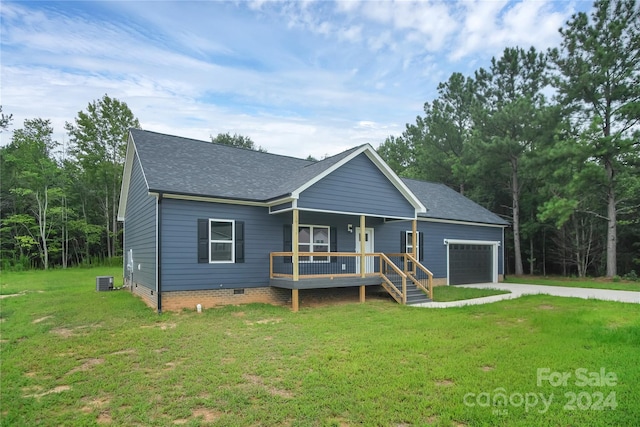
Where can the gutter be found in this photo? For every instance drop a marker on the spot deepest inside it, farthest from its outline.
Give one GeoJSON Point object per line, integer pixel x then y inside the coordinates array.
{"type": "Point", "coordinates": [159, 253]}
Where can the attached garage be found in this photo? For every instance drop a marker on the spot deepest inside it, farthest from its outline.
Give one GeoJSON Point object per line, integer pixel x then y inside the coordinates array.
{"type": "Point", "coordinates": [471, 261]}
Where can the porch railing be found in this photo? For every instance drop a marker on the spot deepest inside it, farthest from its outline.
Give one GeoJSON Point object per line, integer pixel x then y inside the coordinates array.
{"type": "Point", "coordinates": [392, 277]}
{"type": "Point", "coordinates": [393, 269]}
{"type": "Point", "coordinates": [321, 264]}
{"type": "Point", "coordinates": [415, 271]}
{"type": "Point", "coordinates": [421, 276]}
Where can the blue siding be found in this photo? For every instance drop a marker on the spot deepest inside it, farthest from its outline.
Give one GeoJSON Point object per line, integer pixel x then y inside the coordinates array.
{"type": "Point", "coordinates": [140, 229]}
{"type": "Point", "coordinates": [263, 233]}
{"type": "Point", "coordinates": [387, 239]}
{"type": "Point", "coordinates": [359, 187]}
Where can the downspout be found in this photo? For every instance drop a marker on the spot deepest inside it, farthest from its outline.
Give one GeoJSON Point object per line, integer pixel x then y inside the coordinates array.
{"type": "Point", "coordinates": [159, 254]}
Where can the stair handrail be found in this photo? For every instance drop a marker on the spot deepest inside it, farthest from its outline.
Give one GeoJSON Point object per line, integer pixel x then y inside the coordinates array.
{"type": "Point", "coordinates": [429, 289]}
{"type": "Point", "coordinates": [403, 276]}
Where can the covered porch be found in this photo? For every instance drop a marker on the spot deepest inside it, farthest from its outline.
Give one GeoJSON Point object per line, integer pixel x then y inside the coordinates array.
{"type": "Point", "coordinates": [400, 274]}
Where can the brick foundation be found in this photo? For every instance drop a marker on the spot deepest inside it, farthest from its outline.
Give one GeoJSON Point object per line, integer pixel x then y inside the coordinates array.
{"type": "Point", "coordinates": [149, 296]}
{"type": "Point", "coordinates": [178, 300]}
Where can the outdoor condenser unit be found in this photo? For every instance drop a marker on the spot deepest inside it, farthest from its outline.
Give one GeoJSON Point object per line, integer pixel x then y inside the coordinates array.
{"type": "Point", "coordinates": [104, 283]}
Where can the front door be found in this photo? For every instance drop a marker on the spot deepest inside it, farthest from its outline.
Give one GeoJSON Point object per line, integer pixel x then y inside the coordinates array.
{"type": "Point", "coordinates": [368, 248]}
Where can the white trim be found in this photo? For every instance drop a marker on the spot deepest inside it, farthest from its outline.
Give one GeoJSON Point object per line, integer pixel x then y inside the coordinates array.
{"type": "Point", "coordinates": [494, 243]}
{"type": "Point", "coordinates": [126, 177]}
{"type": "Point", "coordinates": [311, 244]}
{"type": "Point", "coordinates": [232, 241]}
{"type": "Point", "coordinates": [281, 202]}
{"type": "Point", "coordinates": [407, 233]}
{"type": "Point", "coordinates": [458, 222]}
{"type": "Point", "coordinates": [395, 180]}
{"type": "Point", "coordinates": [366, 230]}
{"type": "Point", "coordinates": [349, 213]}
{"type": "Point", "coordinates": [368, 150]}
{"type": "Point", "coordinates": [211, 199]}
{"type": "Point", "coordinates": [369, 261]}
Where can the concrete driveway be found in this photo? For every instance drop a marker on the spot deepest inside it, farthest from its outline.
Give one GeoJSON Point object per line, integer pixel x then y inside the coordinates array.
{"type": "Point", "coordinates": [517, 290]}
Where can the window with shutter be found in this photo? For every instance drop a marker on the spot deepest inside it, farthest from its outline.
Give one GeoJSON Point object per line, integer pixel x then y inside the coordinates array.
{"type": "Point", "coordinates": [220, 241]}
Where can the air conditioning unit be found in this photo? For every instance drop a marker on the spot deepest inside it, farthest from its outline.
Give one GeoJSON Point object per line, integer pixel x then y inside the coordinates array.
{"type": "Point", "coordinates": [104, 283]}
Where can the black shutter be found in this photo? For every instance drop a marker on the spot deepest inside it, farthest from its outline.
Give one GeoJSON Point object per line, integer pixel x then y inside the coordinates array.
{"type": "Point", "coordinates": [287, 242]}
{"type": "Point", "coordinates": [403, 242]}
{"type": "Point", "coordinates": [239, 241]}
{"type": "Point", "coordinates": [333, 242]}
{"type": "Point", "coordinates": [203, 240]}
{"type": "Point", "coordinates": [421, 246]}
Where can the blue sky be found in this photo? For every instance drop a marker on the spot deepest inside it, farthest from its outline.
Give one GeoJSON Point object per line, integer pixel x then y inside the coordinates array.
{"type": "Point", "coordinates": [300, 78]}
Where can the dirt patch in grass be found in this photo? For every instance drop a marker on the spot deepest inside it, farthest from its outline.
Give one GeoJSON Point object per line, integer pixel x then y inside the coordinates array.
{"type": "Point", "coordinates": [19, 294]}
{"type": "Point", "coordinates": [70, 332]}
{"type": "Point", "coordinates": [487, 368]}
{"type": "Point", "coordinates": [104, 418]}
{"type": "Point", "coordinates": [42, 319]}
{"type": "Point", "coordinates": [86, 366]}
{"type": "Point", "coordinates": [447, 382]}
{"type": "Point", "coordinates": [58, 389]}
{"type": "Point", "coordinates": [172, 365]}
{"type": "Point", "coordinates": [208, 415]}
{"type": "Point", "coordinates": [546, 307]}
{"type": "Point", "coordinates": [162, 326]}
{"type": "Point", "coordinates": [256, 380]}
{"type": "Point", "coordinates": [127, 351]}
{"type": "Point", "coordinates": [63, 332]}
{"type": "Point", "coordinates": [238, 314]}
{"type": "Point", "coordinates": [264, 321]}
{"type": "Point", "coordinates": [96, 403]}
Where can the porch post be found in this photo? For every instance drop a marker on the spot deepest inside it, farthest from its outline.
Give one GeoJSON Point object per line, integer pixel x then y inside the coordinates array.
{"type": "Point", "coordinates": [294, 300]}
{"type": "Point", "coordinates": [296, 257]}
{"type": "Point", "coordinates": [414, 242]}
{"type": "Point", "coordinates": [362, 246]}
{"type": "Point", "coordinates": [362, 293]}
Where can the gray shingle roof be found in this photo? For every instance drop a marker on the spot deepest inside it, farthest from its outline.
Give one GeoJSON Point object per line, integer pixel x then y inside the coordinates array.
{"type": "Point", "coordinates": [187, 166]}
{"type": "Point", "coordinates": [443, 202]}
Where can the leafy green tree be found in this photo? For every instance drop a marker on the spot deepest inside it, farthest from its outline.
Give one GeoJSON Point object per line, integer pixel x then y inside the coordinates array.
{"type": "Point", "coordinates": [399, 154]}
{"type": "Point", "coordinates": [30, 155]}
{"type": "Point", "coordinates": [599, 84]}
{"type": "Point", "coordinates": [236, 140]}
{"type": "Point", "coordinates": [444, 133]}
{"type": "Point", "coordinates": [509, 119]}
{"type": "Point", "coordinates": [99, 140]}
{"type": "Point", "coordinates": [5, 120]}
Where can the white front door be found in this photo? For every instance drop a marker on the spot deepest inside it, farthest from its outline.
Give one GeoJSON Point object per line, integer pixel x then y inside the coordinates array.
{"type": "Point", "coordinates": [368, 248]}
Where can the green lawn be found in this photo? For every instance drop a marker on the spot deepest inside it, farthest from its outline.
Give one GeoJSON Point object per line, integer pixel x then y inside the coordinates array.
{"type": "Point", "coordinates": [454, 293]}
{"type": "Point", "coordinates": [600, 283]}
{"type": "Point", "coordinates": [73, 356]}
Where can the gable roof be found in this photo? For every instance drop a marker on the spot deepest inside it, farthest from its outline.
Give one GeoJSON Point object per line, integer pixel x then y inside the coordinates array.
{"type": "Point", "coordinates": [189, 167]}
{"type": "Point", "coordinates": [445, 203]}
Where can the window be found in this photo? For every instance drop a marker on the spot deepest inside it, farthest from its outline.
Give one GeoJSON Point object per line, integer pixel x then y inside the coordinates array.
{"type": "Point", "coordinates": [406, 243]}
{"type": "Point", "coordinates": [220, 241]}
{"type": "Point", "coordinates": [313, 238]}
{"type": "Point", "coordinates": [409, 242]}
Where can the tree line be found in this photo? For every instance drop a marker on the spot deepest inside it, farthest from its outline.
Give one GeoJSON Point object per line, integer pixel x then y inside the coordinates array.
{"type": "Point", "coordinates": [59, 202]}
{"type": "Point", "coordinates": [549, 140]}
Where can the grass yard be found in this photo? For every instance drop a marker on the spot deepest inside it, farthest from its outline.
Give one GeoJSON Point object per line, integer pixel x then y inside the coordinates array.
{"type": "Point", "coordinates": [454, 293]}
{"type": "Point", "coordinates": [598, 283]}
{"type": "Point", "coordinates": [73, 356]}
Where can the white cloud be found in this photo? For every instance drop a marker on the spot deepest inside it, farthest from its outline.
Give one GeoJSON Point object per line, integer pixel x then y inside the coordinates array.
{"type": "Point", "coordinates": [298, 78]}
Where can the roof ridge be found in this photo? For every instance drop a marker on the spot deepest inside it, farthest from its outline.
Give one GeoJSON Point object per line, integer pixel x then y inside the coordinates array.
{"type": "Point", "coordinates": [222, 145]}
